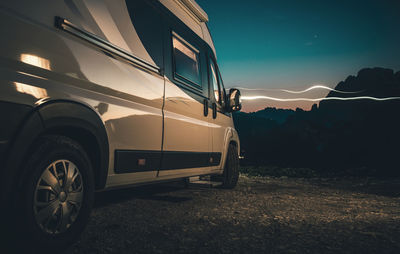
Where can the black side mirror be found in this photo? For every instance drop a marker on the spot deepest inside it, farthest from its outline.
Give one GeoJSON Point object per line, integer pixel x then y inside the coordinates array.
{"type": "Point", "coordinates": [234, 101]}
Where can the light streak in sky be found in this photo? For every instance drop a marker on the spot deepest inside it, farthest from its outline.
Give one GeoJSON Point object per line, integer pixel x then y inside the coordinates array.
{"type": "Point", "coordinates": [317, 87]}
{"type": "Point", "coordinates": [250, 98]}
{"type": "Point", "coordinates": [302, 91]}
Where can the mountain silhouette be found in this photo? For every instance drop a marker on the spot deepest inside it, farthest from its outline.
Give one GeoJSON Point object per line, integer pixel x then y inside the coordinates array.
{"type": "Point", "coordinates": [334, 136]}
{"type": "Point", "coordinates": [278, 115]}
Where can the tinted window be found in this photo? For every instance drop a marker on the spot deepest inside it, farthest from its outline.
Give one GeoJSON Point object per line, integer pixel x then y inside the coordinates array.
{"type": "Point", "coordinates": [217, 84]}
{"type": "Point", "coordinates": [214, 80]}
{"type": "Point", "coordinates": [222, 89]}
{"type": "Point", "coordinates": [186, 60]}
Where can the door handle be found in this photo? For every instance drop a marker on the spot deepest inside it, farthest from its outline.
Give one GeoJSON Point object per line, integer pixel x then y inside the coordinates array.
{"type": "Point", "coordinates": [214, 108]}
{"type": "Point", "coordinates": [205, 107]}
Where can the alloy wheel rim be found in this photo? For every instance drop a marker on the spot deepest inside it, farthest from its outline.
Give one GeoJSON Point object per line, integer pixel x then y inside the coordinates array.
{"type": "Point", "coordinates": [58, 197]}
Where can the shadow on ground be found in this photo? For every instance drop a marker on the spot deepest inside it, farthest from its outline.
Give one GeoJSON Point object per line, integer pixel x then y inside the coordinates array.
{"type": "Point", "coordinates": [149, 192]}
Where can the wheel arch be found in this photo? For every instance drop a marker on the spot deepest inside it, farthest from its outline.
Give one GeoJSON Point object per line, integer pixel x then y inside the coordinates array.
{"type": "Point", "coordinates": [82, 124]}
{"type": "Point", "coordinates": [68, 118]}
{"type": "Point", "coordinates": [234, 140]}
{"type": "Point", "coordinates": [231, 138]}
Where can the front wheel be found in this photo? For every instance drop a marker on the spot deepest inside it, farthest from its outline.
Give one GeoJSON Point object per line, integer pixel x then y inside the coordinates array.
{"type": "Point", "coordinates": [230, 176]}
{"type": "Point", "coordinates": [57, 194]}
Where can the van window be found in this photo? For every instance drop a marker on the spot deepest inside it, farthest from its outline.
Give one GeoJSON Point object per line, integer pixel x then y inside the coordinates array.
{"type": "Point", "coordinates": [222, 89]}
{"type": "Point", "coordinates": [216, 83]}
{"type": "Point", "coordinates": [186, 61]}
{"type": "Point", "coordinates": [214, 80]}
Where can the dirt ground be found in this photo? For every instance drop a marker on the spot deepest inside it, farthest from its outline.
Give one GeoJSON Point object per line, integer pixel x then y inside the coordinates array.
{"type": "Point", "coordinates": [261, 215]}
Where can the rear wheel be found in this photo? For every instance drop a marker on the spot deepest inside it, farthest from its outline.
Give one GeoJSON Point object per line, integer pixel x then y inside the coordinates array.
{"type": "Point", "coordinates": [57, 193]}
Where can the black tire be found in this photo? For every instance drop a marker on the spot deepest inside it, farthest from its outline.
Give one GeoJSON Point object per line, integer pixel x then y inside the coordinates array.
{"type": "Point", "coordinates": [49, 150]}
{"type": "Point", "coordinates": [230, 176]}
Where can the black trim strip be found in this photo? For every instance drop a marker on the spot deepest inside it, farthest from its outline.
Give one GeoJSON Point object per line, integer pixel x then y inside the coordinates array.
{"type": "Point", "coordinates": [127, 161]}
{"type": "Point", "coordinates": [67, 26]}
{"type": "Point", "coordinates": [130, 161]}
{"type": "Point", "coordinates": [178, 160]}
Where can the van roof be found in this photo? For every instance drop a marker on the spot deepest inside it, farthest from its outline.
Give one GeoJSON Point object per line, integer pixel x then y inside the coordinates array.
{"type": "Point", "coordinates": [196, 10]}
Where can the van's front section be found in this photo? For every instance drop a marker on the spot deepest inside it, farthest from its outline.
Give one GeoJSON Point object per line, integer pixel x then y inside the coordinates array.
{"type": "Point", "coordinates": [193, 122]}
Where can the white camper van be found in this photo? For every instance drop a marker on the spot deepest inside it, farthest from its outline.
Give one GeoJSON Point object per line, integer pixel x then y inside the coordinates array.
{"type": "Point", "coordinates": [98, 94]}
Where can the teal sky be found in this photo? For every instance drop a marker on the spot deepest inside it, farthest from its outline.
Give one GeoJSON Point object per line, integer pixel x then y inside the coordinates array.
{"type": "Point", "coordinates": [293, 44]}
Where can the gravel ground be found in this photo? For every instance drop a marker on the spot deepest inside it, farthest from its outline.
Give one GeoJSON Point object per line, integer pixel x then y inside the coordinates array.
{"type": "Point", "coordinates": [261, 215]}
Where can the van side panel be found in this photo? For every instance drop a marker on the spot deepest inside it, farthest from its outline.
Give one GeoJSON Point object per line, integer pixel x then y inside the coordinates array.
{"type": "Point", "coordinates": [47, 64]}
{"type": "Point", "coordinates": [186, 129]}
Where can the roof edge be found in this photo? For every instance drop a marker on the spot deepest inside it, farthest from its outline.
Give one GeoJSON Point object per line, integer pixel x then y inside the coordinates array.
{"type": "Point", "coordinates": [195, 9]}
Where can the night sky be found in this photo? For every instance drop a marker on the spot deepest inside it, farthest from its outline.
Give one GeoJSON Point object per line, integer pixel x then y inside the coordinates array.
{"type": "Point", "coordinates": [294, 44]}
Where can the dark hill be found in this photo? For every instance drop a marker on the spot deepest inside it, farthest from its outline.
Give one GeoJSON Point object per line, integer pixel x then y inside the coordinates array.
{"type": "Point", "coordinates": [278, 115]}
{"type": "Point", "coordinates": [337, 135]}
{"type": "Point", "coordinates": [375, 82]}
